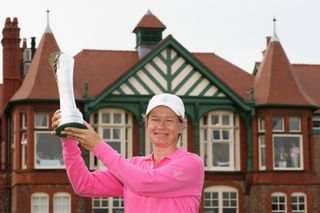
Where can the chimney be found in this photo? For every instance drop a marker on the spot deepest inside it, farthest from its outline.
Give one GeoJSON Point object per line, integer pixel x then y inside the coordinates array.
{"type": "Point", "coordinates": [12, 56]}
{"type": "Point", "coordinates": [33, 46]}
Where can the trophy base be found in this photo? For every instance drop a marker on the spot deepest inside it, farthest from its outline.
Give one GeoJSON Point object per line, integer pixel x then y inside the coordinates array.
{"type": "Point", "coordinates": [63, 126]}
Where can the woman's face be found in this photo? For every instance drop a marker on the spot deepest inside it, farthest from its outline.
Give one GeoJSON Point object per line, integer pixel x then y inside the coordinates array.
{"type": "Point", "coordinates": [164, 126]}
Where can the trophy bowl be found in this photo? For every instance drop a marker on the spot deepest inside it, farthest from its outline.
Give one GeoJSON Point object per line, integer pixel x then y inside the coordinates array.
{"type": "Point", "coordinates": [62, 65]}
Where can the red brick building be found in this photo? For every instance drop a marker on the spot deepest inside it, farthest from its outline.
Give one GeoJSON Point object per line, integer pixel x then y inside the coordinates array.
{"type": "Point", "coordinates": [259, 133]}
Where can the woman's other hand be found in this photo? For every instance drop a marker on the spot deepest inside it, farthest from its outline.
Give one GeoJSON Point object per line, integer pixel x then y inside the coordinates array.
{"type": "Point", "coordinates": [88, 138]}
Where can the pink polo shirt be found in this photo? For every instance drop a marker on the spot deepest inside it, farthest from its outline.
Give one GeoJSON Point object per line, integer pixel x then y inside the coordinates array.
{"type": "Point", "coordinates": [174, 184]}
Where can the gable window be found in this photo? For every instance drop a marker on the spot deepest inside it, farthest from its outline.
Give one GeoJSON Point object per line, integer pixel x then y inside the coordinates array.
{"type": "Point", "coordinates": [39, 203]}
{"type": "Point", "coordinates": [221, 199]}
{"type": "Point", "coordinates": [62, 203]}
{"type": "Point", "coordinates": [294, 124]}
{"type": "Point", "coordinates": [279, 202]}
{"type": "Point", "coordinates": [48, 151]}
{"type": "Point", "coordinates": [298, 203]}
{"type": "Point", "coordinates": [277, 124]}
{"type": "Point", "coordinates": [107, 205]}
{"type": "Point", "coordinates": [115, 127]}
{"type": "Point", "coordinates": [219, 140]}
{"type": "Point", "coordinates": [287, 152]}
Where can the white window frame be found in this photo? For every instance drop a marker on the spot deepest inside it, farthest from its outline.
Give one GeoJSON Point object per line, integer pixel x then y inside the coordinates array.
{"type": "Point", "coordinates": [24, 152]}
{"type": "Point", "coordinates": [125, 127]}
{"type": "Point", "coordinates": [43, 205]}
{"type": "Point", "coordinates": [56, 204]}
{"type": "Point", "coordinates": [107, 204]}
{"type": "Point", "coordinates": [261, 124]}
{"type": "Point", "coordinates": [23, 121]}
{"type": "Point", "coordinates": [262, 152]}
{"type": "Point", "coordinates": [287, 147]}
{"type": "Point", "coordinates": [46, 126]}
{"type": "Point", "coordinates": [221, 200]}
{"type": "Point", "coordinates": [183, 140]}
{"type": "Point", "coordinates": [282, 124]}
{"type": "Point", "coordinates": [206, 141]}
{"type": "Point", "coordinates": [298, 204]}
{"type": "Point", "coordinates": [299, 124]}
{"type": "Point", "coordinates": [277, 195]}
{"type": "Point", "coordinates": [36, 166]}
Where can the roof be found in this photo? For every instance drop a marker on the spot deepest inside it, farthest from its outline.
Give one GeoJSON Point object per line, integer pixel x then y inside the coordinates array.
{"type": "Point", "coordinates": [275, 79]}
{"type": "Point", "coordinates": [309, 78]}
{"type": "Point", "coordinates": [100, 69]}
{"type": "Point", "coordinates": [149, 21]}
{"type": "Point", "coordinates": [40, 82]}
{"type": "Point", "coordinates": [234, 77]}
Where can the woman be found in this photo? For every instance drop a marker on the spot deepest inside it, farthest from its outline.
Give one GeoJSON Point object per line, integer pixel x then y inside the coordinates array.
{"type": "Point", "coordinates": [168, 180]}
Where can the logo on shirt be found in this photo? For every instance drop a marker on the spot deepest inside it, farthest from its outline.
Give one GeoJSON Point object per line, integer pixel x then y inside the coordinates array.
{"type": "Point", "coordinates": [177, 174]}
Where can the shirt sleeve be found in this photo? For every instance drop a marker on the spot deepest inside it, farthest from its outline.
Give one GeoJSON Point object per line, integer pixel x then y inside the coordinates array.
{"type": "Point", "coordinates": [100, 183]}
{"type": "Point", "coordinates": [180, 177]}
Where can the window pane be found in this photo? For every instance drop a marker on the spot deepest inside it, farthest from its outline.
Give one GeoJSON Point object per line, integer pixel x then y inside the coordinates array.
{"type": "Point", "coordinates": [214, 119]}
{"type": "Point", "coordinates": [115, 145]}
{"type": "Point", "coordinates": [262, 151]}
{"type": "Point", "coordinates": [216, 134]}
{"type": "Point", "coordinates": [96, 118]}
{"type": "Point", "coordinates": [221, 201]}
{"type": "Point", "coordinates": [278, 203]}
{"type": "Point", "coordinates": [220, 154]}
{"type": "Point", "coordinates": [261, 125]}
{"type": "Point", "coordinates": [225, 120]}
{"type": "Point", "coordinates": [39, 204]}
{"type": "Point", "coordinates": [41, 119]}
{"type": "Point", "coordinates": [294, 124]}
{"type": "Point", "coordinates": [61, 204]}
{"type": "Point", "coordinates": [106, 134]}
{"type": "Point", "coordinates": [225, 135]}
{"type": "Point", "coordinates": [105, 117]}
{"type": "Point", "coordinates": [48, 151]}
{"type": "Point", "coordinates": [287, 151]}
{"type": "Point", "coordinates": [116, 134]}
{"type": "Point", "coordinates": [298, 204]}
{"type": "Point", "coordinates": [117, 118]}
{"type": "Point", "coordinates": [277, 123]}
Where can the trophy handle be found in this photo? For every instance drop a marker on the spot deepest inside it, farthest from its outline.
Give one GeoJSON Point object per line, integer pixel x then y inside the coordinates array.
{"type": "Point", "coordinates": [62, 66]}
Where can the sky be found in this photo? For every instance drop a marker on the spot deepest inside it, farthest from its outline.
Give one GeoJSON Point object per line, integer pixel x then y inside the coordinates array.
{"type": "Point", "coordinates": [235, 30]}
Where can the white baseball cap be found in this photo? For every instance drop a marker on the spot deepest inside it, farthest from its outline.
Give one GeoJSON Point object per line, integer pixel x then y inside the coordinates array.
{"type": "Point", "coordinates": [165, 99]}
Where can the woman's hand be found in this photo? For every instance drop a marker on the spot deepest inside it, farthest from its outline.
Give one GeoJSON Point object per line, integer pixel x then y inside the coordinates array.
{"type": "Point", "coordinates": [55, 120]}
{"type": "Point", "coordinates": [88, 138]}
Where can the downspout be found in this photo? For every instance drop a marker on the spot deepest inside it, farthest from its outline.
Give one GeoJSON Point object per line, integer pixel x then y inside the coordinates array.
{"type": "Point", "coordinates": [196, 130]}
{"type": "Point", "coordinates": [248, 119]}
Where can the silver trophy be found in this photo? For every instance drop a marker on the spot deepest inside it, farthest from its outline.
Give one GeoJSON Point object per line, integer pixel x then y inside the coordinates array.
{"type": "Point", "coordinates": [62, 65]}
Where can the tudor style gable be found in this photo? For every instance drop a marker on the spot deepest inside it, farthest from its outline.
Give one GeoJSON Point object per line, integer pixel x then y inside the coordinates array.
{"type": "Point", "coordinates": [168, 72]}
